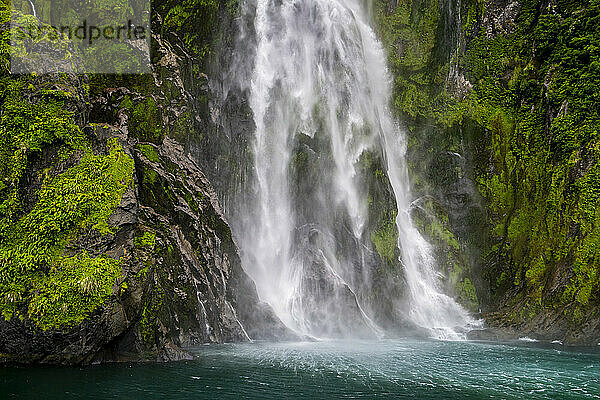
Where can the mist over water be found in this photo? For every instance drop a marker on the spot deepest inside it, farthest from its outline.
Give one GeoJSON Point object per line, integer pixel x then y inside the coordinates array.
{"type": "Point", "coordinates": [406, 369]}
{"type": "Point", "coordinates": [319, 92]}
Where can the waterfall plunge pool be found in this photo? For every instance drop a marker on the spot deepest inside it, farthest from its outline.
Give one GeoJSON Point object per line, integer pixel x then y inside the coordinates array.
{"type": "Point", "coordinates": [398, 369]}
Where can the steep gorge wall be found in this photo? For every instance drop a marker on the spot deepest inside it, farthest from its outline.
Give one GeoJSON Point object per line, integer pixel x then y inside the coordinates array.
{"type": "Point", "coordinates": [502, 103]}
{"type": "Point", "coordinates": [112, 242]}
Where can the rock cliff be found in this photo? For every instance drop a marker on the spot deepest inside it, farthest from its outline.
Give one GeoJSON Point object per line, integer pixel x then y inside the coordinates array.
{"type": "Point", "coordinates": [499, 97]}
{"type": "Point", "coordinates": [112, 242]}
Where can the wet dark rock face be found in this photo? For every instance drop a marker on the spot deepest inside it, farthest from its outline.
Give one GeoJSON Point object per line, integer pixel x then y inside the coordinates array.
{"type": "Point", "coordinates": [529, 266]}
{"type": "Point", "coordinates": [182, 282]}
{"type": "Point", "coordinates": [185, 286]}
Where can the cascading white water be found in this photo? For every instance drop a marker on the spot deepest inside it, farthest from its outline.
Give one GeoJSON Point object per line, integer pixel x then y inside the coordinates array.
{"type": "Point", "coordinates": [430, 307]}
{"type": "Point", "coordinates": [320, 71]}
{"type": "Point", "coordinates": [33, 10]}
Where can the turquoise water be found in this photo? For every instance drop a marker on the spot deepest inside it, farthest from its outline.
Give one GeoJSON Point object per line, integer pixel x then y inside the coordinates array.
{"type": "Point", "coordinates": [328, 370]}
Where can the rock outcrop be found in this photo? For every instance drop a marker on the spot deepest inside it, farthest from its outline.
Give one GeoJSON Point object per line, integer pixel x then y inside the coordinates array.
{"type": "Point", "coordinates": [499, 96]}
{"type": "Point", "coordinates": [160, 263]}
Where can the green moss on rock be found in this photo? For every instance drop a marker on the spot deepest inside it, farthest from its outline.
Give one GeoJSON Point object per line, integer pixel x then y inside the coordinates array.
{"type": "Point", "coordinates": [146, 240]}
{"type": "Point", "coordinates": [145, 121]}
{"type": "Point", "coordinates": [38, 274]}
{"type": "Point", "coordinates": [149, 152]}
{"type": "Point", "coordinates": [385, 240]}
{"type": "Point", "coordinates": [533, 99]}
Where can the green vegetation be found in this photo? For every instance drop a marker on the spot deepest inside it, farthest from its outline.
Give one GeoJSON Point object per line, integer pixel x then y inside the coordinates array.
{"type": "Point", "coordinates": [150, 311]}
{"type": "Point", "coordinates": [194, 20]}
{"type": "Point", "coordinates": [409, 33]}
{"type": "Point", "coordinates": [27, 126]}
{"type": "Point", "coordinates": [42, 274]}
{"type": "Point", "coordinates": [71, 291]}
{"type": "Point", "coordinates": [535, 105]}
{"type": "Point", "coordinates": [382, 209]}
{"type": "Point", "coordinates": [37, 272]}
{"type": "Point", "coordinates": [149, 152]}
{"type": "Point", "coordinates": [147, 240]}
{"type": "Point", "coordinates": [145, 122]}
{"type": "Point", "coordinates": [386, 241]}
{"type": "Point", "coordinates": [537, 95]}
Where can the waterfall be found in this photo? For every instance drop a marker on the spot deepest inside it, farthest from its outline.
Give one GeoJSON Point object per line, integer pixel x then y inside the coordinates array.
{"type": "Point", "coordinates": [33, 11]}
{"type": "Point", "coordinates": [319, 90]}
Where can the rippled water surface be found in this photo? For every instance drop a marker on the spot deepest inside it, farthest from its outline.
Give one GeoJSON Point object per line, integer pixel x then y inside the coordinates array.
{"type": "Point", "coordinates": [329, 370]}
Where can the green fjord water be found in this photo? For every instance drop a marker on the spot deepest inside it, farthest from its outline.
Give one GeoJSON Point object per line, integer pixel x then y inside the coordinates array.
{"type": "Point", "coordinates": [327, 370]}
